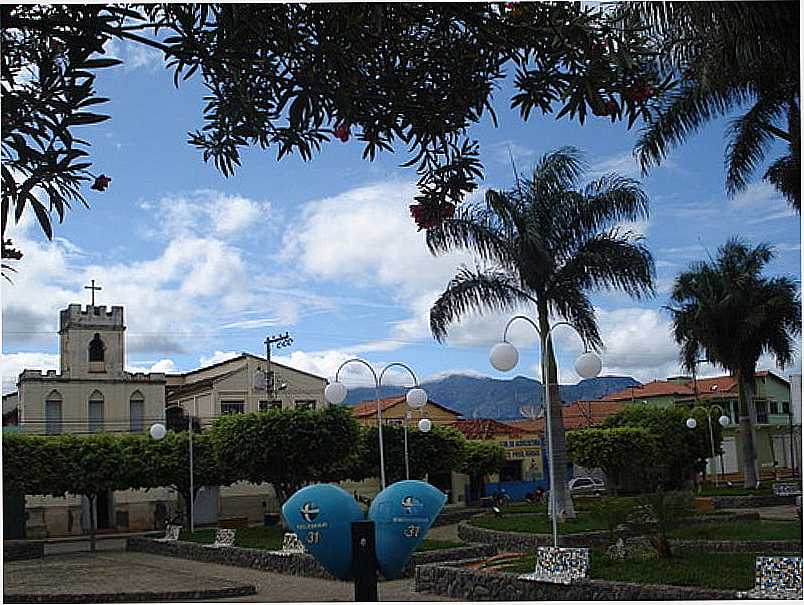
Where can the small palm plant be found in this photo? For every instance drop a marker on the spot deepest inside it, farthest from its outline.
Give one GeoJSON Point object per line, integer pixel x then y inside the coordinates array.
{"type": "Point", "coordinates": [546, 243]}
{"type": "Point", "coordinates": [657, 514]}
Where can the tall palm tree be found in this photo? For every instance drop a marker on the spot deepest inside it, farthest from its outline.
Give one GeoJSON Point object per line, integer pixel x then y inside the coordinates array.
{"type": "Point", "coordinates": [728, 56]}
{"type": "Point", "coordinates": [545, 244]}
{"type": "Point", "coordinates": [728, 311]}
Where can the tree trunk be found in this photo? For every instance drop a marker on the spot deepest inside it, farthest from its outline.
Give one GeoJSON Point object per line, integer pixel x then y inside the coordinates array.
{"type": "Point", "coordinates": [563, 499]}
{"type": "Point", "coordinates": [662, 546]}
{"type": "Point", "coordinates": [93, 522]}
{"type": "Point", "coordinates": [747, 416]}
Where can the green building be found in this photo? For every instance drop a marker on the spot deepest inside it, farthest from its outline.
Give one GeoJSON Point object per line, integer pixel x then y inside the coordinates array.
{"type": "Point", "coordinates": [777, 425]}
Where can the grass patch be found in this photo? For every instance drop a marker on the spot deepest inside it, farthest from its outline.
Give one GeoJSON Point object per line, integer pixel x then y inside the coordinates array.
{"type": "Point", "coordinates": [726, 571]}
{"type": "Point", "coordinates": [741, 530]}
{"type": "Point", "coordinates": [270, 538]}
{"type": "Point", "coordinates": [536, 524]}
{"type": "Point", "coordinates": [437, 545]}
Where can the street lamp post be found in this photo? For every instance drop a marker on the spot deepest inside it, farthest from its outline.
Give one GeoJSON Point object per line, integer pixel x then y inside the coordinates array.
{"type": "Point", "coordinates": [416, 398]}
{"type": "Point", "coordinates": [504, 357]}
{"type": "Point", "coordinates": [158, 431]}
{"type": "Point", "coordinates": [723, 420]}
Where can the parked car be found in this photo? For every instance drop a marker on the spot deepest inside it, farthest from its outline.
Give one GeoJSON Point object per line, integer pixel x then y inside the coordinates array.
{"type": "Point", "coordinates": [586, 486]}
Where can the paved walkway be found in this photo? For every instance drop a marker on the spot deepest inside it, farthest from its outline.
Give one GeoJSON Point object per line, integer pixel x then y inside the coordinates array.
{"type": "Point", "coordinates": [123, 571]}
{"type": "Point", "coordinates": [777, 513]}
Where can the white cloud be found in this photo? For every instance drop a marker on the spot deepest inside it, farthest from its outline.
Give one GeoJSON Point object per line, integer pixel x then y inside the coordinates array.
{"type": "Point", "coordinates": [365, 236]}
{"type": "Point", "coordinates": [624, 164]}
{"type": "Point", "coordinates": [208, 212]}
{"type": "Point", "coordinates": [163, 365]}
{"type": "Point", "coordinates": [133, 55]}
{"type": "Point", "coordinates": [504, 152]}
{"type": "Point", "coordinates": [12, 365]}
{"type": "Point", "coordinates": [217, 357]}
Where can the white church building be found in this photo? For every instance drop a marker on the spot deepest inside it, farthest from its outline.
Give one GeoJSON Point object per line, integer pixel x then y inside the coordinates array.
{"type": "Point", "coordinates": [92, 392]}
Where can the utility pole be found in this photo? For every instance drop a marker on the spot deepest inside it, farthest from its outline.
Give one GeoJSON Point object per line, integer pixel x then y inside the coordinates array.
{"type": "Point", "coordinates": [281, 340]}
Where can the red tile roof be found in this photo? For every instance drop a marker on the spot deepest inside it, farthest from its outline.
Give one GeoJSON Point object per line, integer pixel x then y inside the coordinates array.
{"type": "Point", "coordinates": [368, 408]}
{"type": "Point", "coordinates": [578, 415]}
{"type": "Point", "coordinates": [657, 388]}
{"type": "Point", "coordinates": [487, 428]}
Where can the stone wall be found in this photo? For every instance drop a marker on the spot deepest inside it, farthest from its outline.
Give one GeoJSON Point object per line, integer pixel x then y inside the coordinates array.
{"type": "Point", "coordinates": [475, 585]}
{"type": "Point", "coordinates": [17, 550]}
{"type": "Point", "coordinates": [751, 501]}
{"type": "Point", "coordinates": [522, 542]}
{"type": "Point", "coordinates": [295, 564]}
{"type": "Point", "coordinates": [758, 546]}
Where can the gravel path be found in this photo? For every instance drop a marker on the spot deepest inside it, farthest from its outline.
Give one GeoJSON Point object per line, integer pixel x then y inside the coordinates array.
{"type": "Point", "coordinates": [106, 572]}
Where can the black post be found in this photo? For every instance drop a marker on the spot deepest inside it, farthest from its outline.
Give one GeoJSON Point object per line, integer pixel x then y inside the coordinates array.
{"type": "Point", "coordinates": [364, 561]}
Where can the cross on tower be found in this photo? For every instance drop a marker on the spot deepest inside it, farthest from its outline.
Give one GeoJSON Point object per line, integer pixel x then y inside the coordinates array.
{"type": "Point", "coordinates": [93, 287]}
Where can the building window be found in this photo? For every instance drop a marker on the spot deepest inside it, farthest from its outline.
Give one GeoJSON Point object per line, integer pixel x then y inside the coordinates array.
{"type": "Point", "coordinates": [774, 406]}
{"type": "Point", "coordinates": [266, 406]}
{"type": "Point", "coordinates": [232, 407]}
{"type": "Point", "coordinates": [136, 413]}
{"type": "Point", "coordinates": [53, 413]}
{"type": "Point", "coordinates": [762, 412]}
{"type": "Point", "coordinates": [96, 348]}
{"type": "Point", "coordinates": [95, 412]}
{"type": "Point", "coordinates": [785, 407]}
{"type": "Point", "coordinates": [304, 404]}
{"type": "Point", "coordinates": [393, 421]}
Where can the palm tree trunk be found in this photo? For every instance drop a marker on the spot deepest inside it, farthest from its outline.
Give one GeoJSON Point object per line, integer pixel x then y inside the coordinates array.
{"type": "Point", "coordinates": [563, 499]}
{"type": "Point", "coordinates": [747, 415]}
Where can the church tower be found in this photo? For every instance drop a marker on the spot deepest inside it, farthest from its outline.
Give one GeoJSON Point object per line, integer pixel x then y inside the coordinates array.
{"type": "Point", "coordinates": [92, 342]}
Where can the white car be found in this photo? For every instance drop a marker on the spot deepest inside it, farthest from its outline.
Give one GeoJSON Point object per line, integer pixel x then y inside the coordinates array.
{"type": "Point", "coordinates": [586, 486]}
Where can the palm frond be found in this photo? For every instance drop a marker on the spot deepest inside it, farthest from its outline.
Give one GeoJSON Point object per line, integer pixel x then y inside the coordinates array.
{"type": "Point", "coordinates": [572, 305]}
{"type": "Point", "coordinates": [683, 114]}
{"type": "Point", "coordinates": [785, 175]}
{"type": "Point", "coordinates": [749, 139]}
{"type": "Point", "coordinates": [472, 229]}
{"type": "Point", "coordinates": [612, 260]}
{"type": "Point", "coordinates": [555, 172]}
{"type": "Point", "coordinates": [479, 290]}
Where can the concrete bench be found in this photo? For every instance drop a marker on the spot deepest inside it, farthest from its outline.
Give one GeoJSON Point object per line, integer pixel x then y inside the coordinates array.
{"type": "Point", "coordinates": [776, 578]}
{"type": "Point", "coordinates": [223, 538]}
{"type": "Point", "coordinates": [171, 534]}
{"type": "Point", "coordinates": [786, 489]}
{"type": "Point", "coordinates": [559, 565]}
{"type": "Point", "coordinates": [291, 545]}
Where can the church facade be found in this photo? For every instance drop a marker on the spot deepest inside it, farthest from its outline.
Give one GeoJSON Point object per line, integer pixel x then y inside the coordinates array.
{"type": "Point", "coordinates": [92, 393]}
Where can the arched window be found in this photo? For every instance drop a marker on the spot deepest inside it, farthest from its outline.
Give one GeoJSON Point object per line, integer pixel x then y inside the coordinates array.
{"type": "Point", "coordinates": [95, 412]}
{"type": "Point", "coordinates": [53, 413]}
{"type": "Point", "coordinates": [96, 348]}
{"type": "Point", "coordinates": [136, 412]}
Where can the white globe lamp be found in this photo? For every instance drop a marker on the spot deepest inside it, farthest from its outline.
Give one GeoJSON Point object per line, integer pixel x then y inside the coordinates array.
{"type": "Point", "coordinates": [158, 431]}
{"type": "Point", "coordinates": [425, 424]}
{"type": "Point", "coordinates": [416, 398]}
{"type": "Point", "coordinates": [588, 365]}
{"type": "Point", "coordinates": [335, 392]}
{"type": "Point", "coordinates": [691, 423]}
{"type": "Point", "coordinates": [504, 356]}
{"type": "Point", "coordinates": [724, 420]}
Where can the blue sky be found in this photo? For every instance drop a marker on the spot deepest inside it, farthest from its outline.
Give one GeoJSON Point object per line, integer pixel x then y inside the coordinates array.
{"type": "Point", "coordinates": [206, 266]}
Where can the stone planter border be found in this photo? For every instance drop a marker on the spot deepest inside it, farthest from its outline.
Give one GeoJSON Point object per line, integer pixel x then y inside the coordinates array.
{"type": "Point", "coordinates": [525, 542]}
{"type": "Point", "coordinates": [120, 597]}
{"type": "Point", "coordinates": [294, 564]}
{"type": "Point", "coordinates": [750, 501]}
{"type": "Point", "coordinates": [19, 550]}
{"type": "Point", "coordinates": [478, 585]}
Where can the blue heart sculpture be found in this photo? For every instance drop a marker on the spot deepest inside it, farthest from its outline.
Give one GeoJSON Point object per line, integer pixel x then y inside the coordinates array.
{"type": "Point", "coordinates": [402, 514]}
{"type": "Point", "coordinates": [321, 516]}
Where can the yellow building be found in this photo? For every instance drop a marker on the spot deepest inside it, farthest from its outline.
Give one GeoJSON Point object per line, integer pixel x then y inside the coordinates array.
{"type": "Point", "coordinates": [395, 408]}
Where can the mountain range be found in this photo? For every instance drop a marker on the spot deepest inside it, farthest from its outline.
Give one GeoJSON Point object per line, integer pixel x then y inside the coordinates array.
{"type": "Point", "coordinates": [486, 397]}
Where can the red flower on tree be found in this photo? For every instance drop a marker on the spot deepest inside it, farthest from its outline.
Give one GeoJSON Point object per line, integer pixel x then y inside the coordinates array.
{"type": "Point", "coordinates": [428, 216]}
{"type": "Point", "coordinates": [101, 183]}
{"type": "Point", "coordinates": [342, 132]}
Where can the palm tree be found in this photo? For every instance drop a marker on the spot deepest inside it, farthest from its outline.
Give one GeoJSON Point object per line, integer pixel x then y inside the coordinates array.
{"type": "Point", "coordinates": [544, 244]}
{"type": "Point", "coordinates": [728, 55]}
{"type": "Point", "coordinates": [726, 310]}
